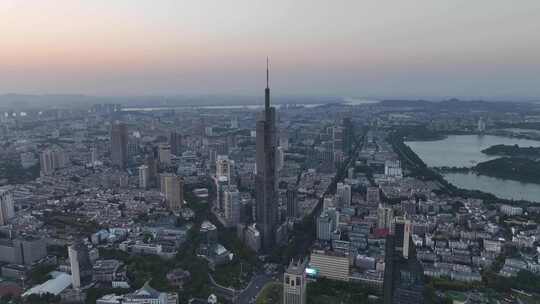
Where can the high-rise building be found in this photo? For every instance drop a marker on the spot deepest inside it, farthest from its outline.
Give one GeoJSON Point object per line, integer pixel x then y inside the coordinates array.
{"type": "Point", "coordinates": [79, 261]}
{"type": "Point", "coordinates": [119, 144]}
{"type": "Point", "coordinates": [348, 135]}
{"type": "Point", "coordinates": [175, 142]}
{"type": "Point", "coordinates": [402, 231]}
{"type": "Point", "coordinates": [265, 180]}
{"type": "Point", "coordinates": [343, 195]}
{"type": "Point", "coordinates": [94, 157]}
{"type": "Point", "coordinates": [7, 211]}
{"type": "Point", "coordinates": [403, 273]}
{"type": "Point", "coordinates": [291, 196]}
{"type": "Point", "coordinates": [223, 167]}
{"type": "Point", "coordinates": [280, 158]}
{"type": "Point", "coordinates": [172, 187]}
{"type": "Point", "coordinates": [327, 223]}
{"type": "Point", "coordinates": [164, 154]}
{"type": "Point", "coordinates": [373, 195]}
{"type": "Point", "coordinates": [144, 177]}
{"type": "Point", "coordinates": [51, 160]}
{"type": "Point", "coordinates": [385, 217]}
{"type": "Point", "coordinates": [152, 170]}
{"type": "Point", "coordinates": [231, 205]}
{"type": "Point", "coordinates": [295, 283]}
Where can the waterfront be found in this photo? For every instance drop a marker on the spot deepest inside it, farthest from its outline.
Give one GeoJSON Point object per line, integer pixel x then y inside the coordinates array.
{"type": "Point", "coordinates": [466, 151]}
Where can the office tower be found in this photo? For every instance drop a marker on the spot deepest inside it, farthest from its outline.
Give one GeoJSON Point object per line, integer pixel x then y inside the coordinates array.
{"type": "Point", "coordinates": [402, 231]}
{"type": "Point", "coordinates": [172, 187]}
{"type": "Point", "coordinates": [343, 193]}
{"type": "Point", "coordinates": [223, 167]}
{"type": "Point", "coordinates": [348, 135]}
{"type": "Point", "coordinates": [52, 159]}
{"type": "Point", "coordinates": [164, 154]}
{"type": "Point", "coordinates": [291, 196]}
{"type": "Point", "coordinates": [295, 283]}
{"type": "Point", "coordinates": [7, 211]}
{"type": "Point", "coordinates": [337, 138]}
{"type": "Point", "coordinates": [175, 142]}
{"type": "Point", "coordinates": [119, 144]}
{"type": "Point", "coordinates": [280, 158]}
{"type": "Point", "coordinates": [373, 195]}
{"type": "Point", "coordinates": [327, 223]}
{"type": "Point", "coordinates": [144, 177]}
{"type": "Point", "coordinates": [152, 170]}
{"type": "Point", "coordinates": [222, 183]}
{"type": "Point", "coordinates": [231, 205]}
{"type": "Point", "coordinates": [94, 157]}
{"type": "Point", "coordinates": [265, 180]}
{"type": "Point", "coordinates": [46, 163]}
{"type": "Point", "coordinates": [403, 273]}
{"type": "Point", "coordinates": [385, 217]}
{"type": "Point", "coordinates": [79, 261]}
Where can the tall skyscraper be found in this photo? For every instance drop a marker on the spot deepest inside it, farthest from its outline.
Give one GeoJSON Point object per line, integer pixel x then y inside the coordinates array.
{"type": "Point", "coordinates": [291, 196]}
{"type": "Point", "coordinates": [7, 210]}
{"type": "Point", "coordinates": [164, 154]}
{"type": "Point", "coordinates": [172, 187]}
{"type": "Point", "coordinates": [231, 205]}
{"type": "Point", "coordinates": [295, 283]}
{"type": "Point", "coordinates": [175, 142]}
{"type": "Point", "coordinates": [265, 180]}
{"type": "Point", "coordinates": [79, 261]}
{"type": "Point", "coordinates": [403, 273]}
{"type": "Point", "coordinates": [119, 144]}
{"type": "Point", "coordinates": [144, 177]}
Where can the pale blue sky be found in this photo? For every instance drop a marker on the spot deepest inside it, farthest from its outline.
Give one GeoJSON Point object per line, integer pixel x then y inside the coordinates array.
{"type": "Point", "coordinates": [410, 48]}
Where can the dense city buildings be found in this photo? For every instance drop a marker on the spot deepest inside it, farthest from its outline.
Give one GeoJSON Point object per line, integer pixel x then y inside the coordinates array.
{"type": "Point", "coordinates": [234, 204]}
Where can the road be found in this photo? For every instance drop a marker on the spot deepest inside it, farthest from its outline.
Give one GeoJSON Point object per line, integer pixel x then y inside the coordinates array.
{"type": "Point", "coordinates": [254, 288]}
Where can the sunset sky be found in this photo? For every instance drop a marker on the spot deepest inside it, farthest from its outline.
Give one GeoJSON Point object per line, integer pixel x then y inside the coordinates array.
{"type": "Point", "coordinates": [411, 48]}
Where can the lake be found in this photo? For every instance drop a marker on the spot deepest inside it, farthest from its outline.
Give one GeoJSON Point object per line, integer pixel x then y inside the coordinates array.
{"type": "Point", "coordinates": [465, 151]}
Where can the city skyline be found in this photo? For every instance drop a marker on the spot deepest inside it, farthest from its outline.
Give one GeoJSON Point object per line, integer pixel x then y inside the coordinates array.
{"type": "Point", "coordinates": [356, 49]}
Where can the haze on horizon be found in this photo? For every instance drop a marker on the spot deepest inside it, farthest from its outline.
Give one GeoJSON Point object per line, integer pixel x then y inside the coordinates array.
{"type": "Point", "coordinates": [406, 49]}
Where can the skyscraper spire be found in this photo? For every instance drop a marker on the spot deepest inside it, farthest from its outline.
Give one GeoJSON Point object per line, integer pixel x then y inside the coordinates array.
{"type": "Point", "coordinates": [267, 90]}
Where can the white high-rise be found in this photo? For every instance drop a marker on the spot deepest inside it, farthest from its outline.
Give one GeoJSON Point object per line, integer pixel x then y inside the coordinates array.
{"type": "Point", "coordinates": [79, 261]}
{"type": "Point", "coordinates": [385, 217]}
{"type": "Point", "coordinates": [7, 211]}
{"type": "Point", "coordinates": [280, 158]}
{"type": "Point", "coordinates": [343, 193]}
{"type": "Point", "coordinates": [231, 205]}
{"type": "Point", "coordinates": [295, 283]}
{"type": "Point", "coordinates": [144, 177]}
{"type": "Point", "coordinates": [223, 167]}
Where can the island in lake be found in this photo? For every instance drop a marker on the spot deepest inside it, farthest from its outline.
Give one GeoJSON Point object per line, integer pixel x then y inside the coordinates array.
{"type": "Point", "coordinates": [517, 163]}
{"type": "Point", "coordinates": [513, 151]}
